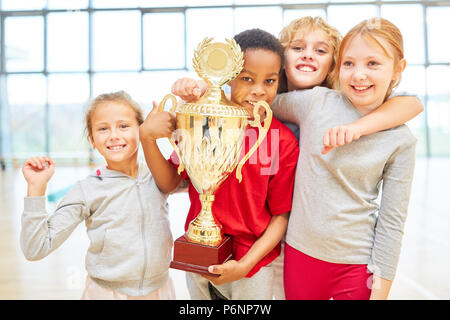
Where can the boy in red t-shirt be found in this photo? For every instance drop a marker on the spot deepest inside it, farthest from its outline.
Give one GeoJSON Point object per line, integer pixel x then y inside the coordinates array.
{"type": "Point", "coordinates": [255, 212]}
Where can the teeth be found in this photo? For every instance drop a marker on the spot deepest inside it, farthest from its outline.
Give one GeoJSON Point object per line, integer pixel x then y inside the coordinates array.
{"type": "Point", "coordinates": [361, 88]}
{"type": "Point", "coordinates": [306, 69]}
{"type": "Point", "coordinates": [115, 148]}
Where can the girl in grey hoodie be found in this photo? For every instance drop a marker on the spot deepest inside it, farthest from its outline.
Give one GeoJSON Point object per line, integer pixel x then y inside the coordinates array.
{"type": "Point", "coordinates": [125, 213]}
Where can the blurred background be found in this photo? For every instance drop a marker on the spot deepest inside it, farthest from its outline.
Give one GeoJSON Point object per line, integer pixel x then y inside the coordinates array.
{"type": "Point", "coordinates": [57, 54]}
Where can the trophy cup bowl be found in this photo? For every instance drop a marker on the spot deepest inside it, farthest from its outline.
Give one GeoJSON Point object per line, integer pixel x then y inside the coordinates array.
{"type": "Point", "coordinates": [209, 140]}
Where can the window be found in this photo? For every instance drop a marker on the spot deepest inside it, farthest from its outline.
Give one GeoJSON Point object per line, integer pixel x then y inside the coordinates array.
{"type": "Point", "coordinates": [164, 49]}
{"type": "Point", "coordinates": [24, 41]}
{"type": "Point", "coordinates": [116, 40]}
{"type": "Point", "coordinates": [67, 98]}
{"type": "Point", "coordinates": [438, 21]}
{"type": "Point", "coordinates": [267, 18]}
{"type": "Point", "coordinates": [67, 41]}
{"type": "Point", "coordinates": [409, 19]}
{"type": "Point", "coordinates": [344, 17]}
{"type": "Point", "coordinates": [60, 53]}
{"type": "Point", "coordinates": [27, 113]}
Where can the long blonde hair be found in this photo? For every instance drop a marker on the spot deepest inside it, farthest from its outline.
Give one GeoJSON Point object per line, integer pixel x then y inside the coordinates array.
{"type": "Point", "coordinates": [119, 96]}
{"type": "Point", "coordinates": [305, 25]}
{"type": "Point", "coordinates": [371, 29]}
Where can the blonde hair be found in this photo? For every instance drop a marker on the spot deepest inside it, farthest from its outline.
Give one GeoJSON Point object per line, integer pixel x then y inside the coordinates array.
{"type": "Point", "coordinates": [119, 96]}
{"type": "Point", "coordinates": [371, 29]}
{"type": "Point", "coordinates": [305, 25]}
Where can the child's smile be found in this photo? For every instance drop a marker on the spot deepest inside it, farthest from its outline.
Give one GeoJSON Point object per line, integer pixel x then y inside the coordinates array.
{"type": "Point", "coordinates": [306, 68]}
{"type": "Point", "coordinates": [366, 73]}
{"type": "Point", "coordinates": [308, 59]}
{"type": "Point", "coordinates": [115, 134]}
{"type": "Point", "coordinates": [118, 147]}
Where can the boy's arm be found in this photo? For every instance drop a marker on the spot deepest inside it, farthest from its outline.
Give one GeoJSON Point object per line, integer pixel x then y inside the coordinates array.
{"type": "Point", "coordinates": [233, 270]}
{"type": "Point", "coordinates": [394, 112]}
{"type": "Point", "coordinates": [158, 125]}
{"type": "Point", "coordinates": [188, 89]}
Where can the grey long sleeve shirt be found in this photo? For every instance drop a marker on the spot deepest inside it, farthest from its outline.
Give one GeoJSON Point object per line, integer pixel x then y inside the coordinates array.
{"type": "Point", "coordinates": [335, 214]}
{"type": "Point", "coordinates": [127, 225]}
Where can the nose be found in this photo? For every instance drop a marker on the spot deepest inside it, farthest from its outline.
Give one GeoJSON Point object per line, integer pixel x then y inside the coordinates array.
{"type": "Point", "coordinates": [258, 90]}
{"type": "Point", "coordinates": [113, 134]}
{"type": "Point", "coordinates": [359, 74]}
{"type": "Point", "coordinates": [307, 53]}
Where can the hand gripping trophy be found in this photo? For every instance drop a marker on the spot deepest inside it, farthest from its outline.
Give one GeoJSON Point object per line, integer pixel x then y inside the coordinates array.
{"type": "Point", "coordinates": [210, 135]}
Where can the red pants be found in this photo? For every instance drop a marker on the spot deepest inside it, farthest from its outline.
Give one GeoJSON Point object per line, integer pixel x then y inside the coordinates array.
{"type": "Point", "coordinates": [307, 278]}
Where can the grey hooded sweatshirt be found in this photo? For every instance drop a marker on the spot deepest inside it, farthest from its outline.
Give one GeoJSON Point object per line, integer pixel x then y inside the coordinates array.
{"type": "Point", "coordinates": [127, 224]}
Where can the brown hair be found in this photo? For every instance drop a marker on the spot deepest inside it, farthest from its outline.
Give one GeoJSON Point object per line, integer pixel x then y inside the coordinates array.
{"type": "Point", "coordinates": [119, 96]}
{"type": "Point", "coordinates": [307, 24]}
{"type": "Point", "coordinates": [371, 29]}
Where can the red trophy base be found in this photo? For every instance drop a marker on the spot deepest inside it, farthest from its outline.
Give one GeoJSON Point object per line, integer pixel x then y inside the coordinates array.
{"type": "Point", "coordinates": [195, 257]}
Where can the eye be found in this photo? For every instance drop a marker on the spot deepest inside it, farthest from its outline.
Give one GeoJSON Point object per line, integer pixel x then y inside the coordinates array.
{"type": "Point", "coordinates": [124, 125]}
{"type": "Point", "coordinates": [297, 48]}
{"type": "Point", "coordinates": [322, 51]}
{"type": "Point", "coordinates": [102, 128]}
{"type": "Point", "coordinates": [347, 63]}
{"type": "Point", "coordinates": [271, 81]}
{"type": "Point", "coordinates": [373, 63]}
{"type": "Point", "coordinates": [246, 79]}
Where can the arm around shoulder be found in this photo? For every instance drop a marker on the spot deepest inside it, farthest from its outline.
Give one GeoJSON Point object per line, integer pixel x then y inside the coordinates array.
{"type": "Point", "coordinates": [392, 113]}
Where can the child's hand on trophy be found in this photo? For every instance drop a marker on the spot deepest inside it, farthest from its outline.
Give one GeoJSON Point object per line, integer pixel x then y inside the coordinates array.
{"type": "Point", "coordinates": [229, 271]}
{"type": "Point", "coordinates": [158, 124]}
{"type": "Point", "coordinates": [189, 89]}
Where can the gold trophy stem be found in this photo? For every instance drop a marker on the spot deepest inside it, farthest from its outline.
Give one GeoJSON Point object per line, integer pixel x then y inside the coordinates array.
{"type": "Point", "coordinates": [203, 229]}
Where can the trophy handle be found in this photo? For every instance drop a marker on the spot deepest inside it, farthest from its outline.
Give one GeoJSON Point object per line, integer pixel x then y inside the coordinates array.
{"type": "Point", "coordinates": [160, 109]}
{"type": "Point", "coordinates": [262, 133]}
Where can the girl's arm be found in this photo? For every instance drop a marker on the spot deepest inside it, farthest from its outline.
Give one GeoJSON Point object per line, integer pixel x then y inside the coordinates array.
{"type": "Point", "coordinates": [389, 229]}
{"type": "Point", "coordinates": [37, 172]}
{"type": "Point", "coordinates": [233, 270]}
{"type": "Point", "coordinates": [394, 112]}
{"type": "Point", "coordinates": [159, 125]}
{"type": "Point", "coordinates": [380, 288]}
{"type": "Point", "coordinates": [284, 108]}
{"type": "Point", "coordinates": [40, 233]}
{"type": "Point", "coordinates": [295, 106]}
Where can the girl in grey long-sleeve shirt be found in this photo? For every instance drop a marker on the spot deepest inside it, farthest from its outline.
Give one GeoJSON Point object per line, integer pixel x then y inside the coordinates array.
{"type": "Point", "coordinates": [335, 222]}
{"type": "Point", "coordinates": [125, 214]}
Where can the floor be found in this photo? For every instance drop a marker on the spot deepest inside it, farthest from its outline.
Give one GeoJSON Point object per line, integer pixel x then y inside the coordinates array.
{"type": "Point", "coordinates": [423, 271]}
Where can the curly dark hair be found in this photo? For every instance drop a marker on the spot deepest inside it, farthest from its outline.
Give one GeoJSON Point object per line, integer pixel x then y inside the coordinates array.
{"type": "Point", "coordinates": [260, 39]}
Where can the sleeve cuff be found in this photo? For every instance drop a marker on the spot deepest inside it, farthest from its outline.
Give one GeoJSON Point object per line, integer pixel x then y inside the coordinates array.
{"type": "Point", "coordinates": [34, 204]}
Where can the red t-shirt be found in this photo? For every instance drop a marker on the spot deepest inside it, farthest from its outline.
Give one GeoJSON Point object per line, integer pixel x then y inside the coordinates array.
{"type": "Point", "coordinates": [244, 209]}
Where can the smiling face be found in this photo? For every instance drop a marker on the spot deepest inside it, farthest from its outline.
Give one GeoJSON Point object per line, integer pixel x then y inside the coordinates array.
{"type": "Point", "coordinates": [308, 59]}
{"type": "Point", "coordinates": [258, 79]}
{"type": "Point", "coordinates": [366, 72]}
{"type": "Point", "coordinates": [115, 134]}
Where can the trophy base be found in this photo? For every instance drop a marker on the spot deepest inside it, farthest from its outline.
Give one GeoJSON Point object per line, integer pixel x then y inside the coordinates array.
{"type": "Point", "coordinates": [196, 257]}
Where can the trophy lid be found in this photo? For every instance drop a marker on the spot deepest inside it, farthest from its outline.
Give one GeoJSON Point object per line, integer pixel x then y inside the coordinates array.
{"type": "Point", "coordinates": [217, 63]}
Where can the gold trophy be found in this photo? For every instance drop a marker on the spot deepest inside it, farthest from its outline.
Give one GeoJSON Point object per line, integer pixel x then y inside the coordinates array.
{"type": "Point", "coordinates": [210, 135]}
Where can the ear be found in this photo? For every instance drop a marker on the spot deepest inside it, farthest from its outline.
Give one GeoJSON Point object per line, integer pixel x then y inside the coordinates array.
{"type": "Point", "coordinates": [400, 68]}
